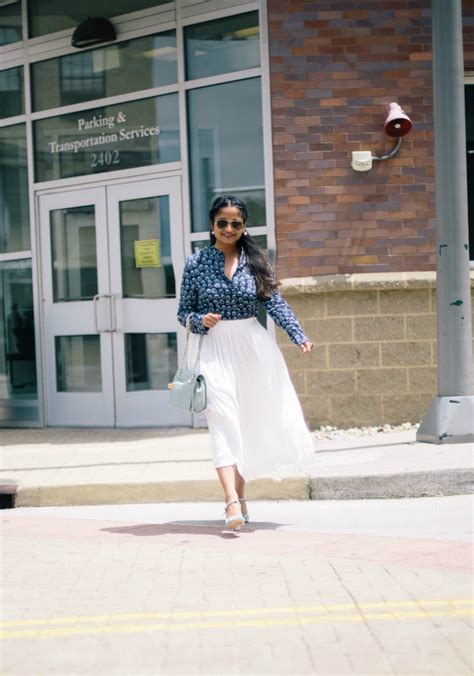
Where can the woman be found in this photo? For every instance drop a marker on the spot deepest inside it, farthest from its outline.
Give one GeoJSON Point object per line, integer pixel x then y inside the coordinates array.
{"type": "Point", "coordinates": [254, 416]}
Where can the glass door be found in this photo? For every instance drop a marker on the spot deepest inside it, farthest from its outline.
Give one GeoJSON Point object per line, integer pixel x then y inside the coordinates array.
{"type": "Point", "coordinates": [77, 308]}
{"type": "Point", "coordinates": [112, 258]}
{"type": "Point", "coordinates": [147, 259]}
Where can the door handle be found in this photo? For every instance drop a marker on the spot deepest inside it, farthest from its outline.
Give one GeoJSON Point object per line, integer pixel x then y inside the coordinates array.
{"type": "Point", "coordinates": [111, 312]}
{"type": "Point", "coordinates": [96, 319]}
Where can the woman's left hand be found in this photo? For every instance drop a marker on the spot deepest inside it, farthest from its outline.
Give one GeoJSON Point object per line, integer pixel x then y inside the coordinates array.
{"type": "Point", "coordinates": [306, 347]}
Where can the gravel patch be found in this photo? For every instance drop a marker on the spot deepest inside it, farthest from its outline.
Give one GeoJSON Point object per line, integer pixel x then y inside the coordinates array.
{"type": "Point", "coordinates": [329, 432]}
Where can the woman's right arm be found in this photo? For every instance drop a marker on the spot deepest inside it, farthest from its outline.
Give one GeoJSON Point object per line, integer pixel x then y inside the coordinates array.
{"type": "Point", "coordinates": [188, 302]}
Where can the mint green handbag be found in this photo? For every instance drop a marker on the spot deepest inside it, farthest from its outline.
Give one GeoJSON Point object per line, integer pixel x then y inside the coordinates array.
{"type": "Point", "coordinates": [188, 390]}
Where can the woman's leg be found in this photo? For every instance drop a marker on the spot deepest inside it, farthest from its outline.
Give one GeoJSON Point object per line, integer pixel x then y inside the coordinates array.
{"type": "Point", "coordinates": [240, 488]}
{"type": "Point", "coordinates": [227, 478]}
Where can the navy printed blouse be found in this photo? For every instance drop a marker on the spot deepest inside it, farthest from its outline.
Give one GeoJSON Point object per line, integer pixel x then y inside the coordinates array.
{"type": "Point", "coordinates": [205, 288]}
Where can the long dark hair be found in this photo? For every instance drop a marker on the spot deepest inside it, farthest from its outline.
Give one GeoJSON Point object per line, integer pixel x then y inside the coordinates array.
{"type": "Point", "coordinates": [257, 259]}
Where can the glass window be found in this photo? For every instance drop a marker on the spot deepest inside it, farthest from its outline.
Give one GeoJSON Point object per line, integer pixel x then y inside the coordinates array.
{"type": "Point", "coordinates": [226, 148]}
{"type": "Point", "coordinates": [17, 332]}
{"type": "Point", "coordinates": [136, 134]}
{"type": "Point", "coordinates": [10, 22]}
{"type": "Point", "coordinates": [147, 268]}
{"type": "Point", "coordinates": [73, 254]}
{"type": "Point", "coordinates": [117, 69]}
{"type": "Point", "coordinates": [49, 16]}
{"type": "Point", "coordinates": [222, 46]}
{"type": "Point", "coordinates": [11, 92]}
{"type": "Point", "coordinates": [151, 360]}
{"type": "Point", "coordinates": [14, 217]}
{"type": "Point", "coordinates": [78, 364]}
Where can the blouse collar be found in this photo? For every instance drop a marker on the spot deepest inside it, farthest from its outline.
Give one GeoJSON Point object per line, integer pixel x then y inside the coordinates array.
{"type": "Point", "coordinates": [215, 251]}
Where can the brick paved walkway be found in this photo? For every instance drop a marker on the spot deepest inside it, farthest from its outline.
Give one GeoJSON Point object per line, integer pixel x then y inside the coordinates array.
{"type": "Point", "coordinates": [122, 597]}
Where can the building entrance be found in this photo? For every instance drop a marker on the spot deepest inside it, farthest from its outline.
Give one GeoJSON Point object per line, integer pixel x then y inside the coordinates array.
{"type": "Point", "coordinates": [112, 258]}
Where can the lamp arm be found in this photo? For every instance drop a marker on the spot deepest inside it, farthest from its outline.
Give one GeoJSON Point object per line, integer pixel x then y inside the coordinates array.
{"type": "Point", "coordinates": [394, 150]}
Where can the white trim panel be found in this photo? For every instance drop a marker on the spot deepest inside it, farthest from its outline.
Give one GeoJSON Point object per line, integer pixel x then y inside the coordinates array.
{"type": "Point", "coordinates": [172, 168]}
{"type": "Point", "coordinates": [15, 256]}
{"type": "Point", "coordinates": [206, 10]}
{"type": "Point", "coordinates": [108, 101]}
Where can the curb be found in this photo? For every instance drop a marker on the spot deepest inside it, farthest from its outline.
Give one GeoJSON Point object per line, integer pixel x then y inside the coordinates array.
{"type": "Point", "coordinates": [203, 490]}
{"type": "Point", "coordinates": [435, 483]}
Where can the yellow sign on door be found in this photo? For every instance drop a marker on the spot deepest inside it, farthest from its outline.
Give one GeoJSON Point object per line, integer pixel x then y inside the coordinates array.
{"type": "Point", "coordinates": [147, 253]}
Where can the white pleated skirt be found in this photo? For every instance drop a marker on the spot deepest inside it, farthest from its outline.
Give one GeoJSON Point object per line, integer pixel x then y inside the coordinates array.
{"type": "Point", "coordinates": [253, 413]}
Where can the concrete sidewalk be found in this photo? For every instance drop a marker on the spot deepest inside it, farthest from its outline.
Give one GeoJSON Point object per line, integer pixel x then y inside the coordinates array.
{"type": "Point", "coordinates": [88, 466]}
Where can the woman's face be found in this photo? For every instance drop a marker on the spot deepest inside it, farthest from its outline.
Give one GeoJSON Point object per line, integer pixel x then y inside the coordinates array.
{"type": "Point", "coordinates": [228, 225]}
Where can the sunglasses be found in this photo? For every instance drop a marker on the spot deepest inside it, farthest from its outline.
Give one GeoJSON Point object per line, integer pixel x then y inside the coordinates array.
{"type": "Point", "coordinates": [236, 223]}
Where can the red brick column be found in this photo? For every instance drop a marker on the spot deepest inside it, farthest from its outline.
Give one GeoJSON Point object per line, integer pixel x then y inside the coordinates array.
{"type": "Point", "coordinates": [334, 67]}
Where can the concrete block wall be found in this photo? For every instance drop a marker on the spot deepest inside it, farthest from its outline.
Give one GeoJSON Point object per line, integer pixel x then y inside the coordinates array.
{"type": "Point", "coordinates": [374, 356]}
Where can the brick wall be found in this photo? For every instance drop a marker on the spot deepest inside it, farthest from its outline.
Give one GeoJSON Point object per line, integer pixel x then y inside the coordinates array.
{"type": "Point", "coordinates": [468, 34]}
{"type": "Point", "coordinates": [334, 66]}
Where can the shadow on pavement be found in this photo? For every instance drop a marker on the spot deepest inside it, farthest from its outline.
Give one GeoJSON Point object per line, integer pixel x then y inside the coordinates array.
{"type": "Point", "coordinates": [189, 528]}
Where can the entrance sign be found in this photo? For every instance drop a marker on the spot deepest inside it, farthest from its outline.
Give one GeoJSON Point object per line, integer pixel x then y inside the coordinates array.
{"type": "Point", "coordinates": [147, 253]}
{"type": "Point", "coordinates": [136, 134]}
{"type": "Point", "coordinates": [97, 122]}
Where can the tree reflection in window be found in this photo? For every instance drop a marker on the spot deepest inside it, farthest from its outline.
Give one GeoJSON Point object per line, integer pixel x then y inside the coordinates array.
{"type": "Point", "coordinates": [78, 76]}
{"type": "Point", "coordinates": [17, 333]}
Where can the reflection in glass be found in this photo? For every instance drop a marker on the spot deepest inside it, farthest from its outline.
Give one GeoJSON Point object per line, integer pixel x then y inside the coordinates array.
{"type": "Point", "coordinates": [10, 23]}
{"type": "Point", "coordinates": [117, 69]}
{"type": "Point", "coordinates": [78, 364]}
{"type": "Point", "coordinates": [14, 216]}
{"type": "Point", "coordinates": [146, 220]}
{"type": "Point", "coordinates": [49, 16]}
{"type": "Point", "coordinates": [73, 254]}
{"type": "Point", "coordinates": [222, 46]}
{"type": "Point", "coordinates": [123, 136]}
{"type": "Point", "coordinates": [196, 245]}
{"type": "Point", "coordinates": [17, 333]}
{"type": "Point", "coordinates": [151, 360]}
{"type": "Point", "coordinates": [226, 148]}
{"type": "Point", "coordinates": [11, 92]}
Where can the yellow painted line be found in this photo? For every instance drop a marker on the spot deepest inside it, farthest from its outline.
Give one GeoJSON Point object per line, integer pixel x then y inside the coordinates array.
{"type": "Point", "coordinates": [202, 614]}
{"type": "Point", "coordinates": [265, 622]}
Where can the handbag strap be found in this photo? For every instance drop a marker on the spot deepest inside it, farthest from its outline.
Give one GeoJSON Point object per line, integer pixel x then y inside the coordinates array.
{"type": "Point", "coordinates": [184, 360]}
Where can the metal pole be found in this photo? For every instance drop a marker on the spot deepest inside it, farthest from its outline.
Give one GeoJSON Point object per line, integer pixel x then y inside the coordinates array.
{"type": "Point", "coordinates": [450, 417]}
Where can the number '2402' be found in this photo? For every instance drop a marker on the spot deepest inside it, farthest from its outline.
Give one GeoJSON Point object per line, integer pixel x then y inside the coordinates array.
{"type": "Point", "coordinates": [105, 158]}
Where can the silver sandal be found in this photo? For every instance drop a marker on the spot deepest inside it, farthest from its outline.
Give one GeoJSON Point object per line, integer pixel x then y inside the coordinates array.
{"type": "Point", "coordinates": [236, 521]}
{"type": "Point", "coordinates": [246, 515]}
